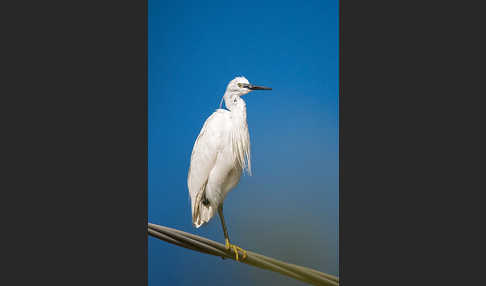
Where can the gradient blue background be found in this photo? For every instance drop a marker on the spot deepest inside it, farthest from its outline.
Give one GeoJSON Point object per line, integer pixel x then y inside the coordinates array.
{"type": "Point", "coordinates": [289, 208]}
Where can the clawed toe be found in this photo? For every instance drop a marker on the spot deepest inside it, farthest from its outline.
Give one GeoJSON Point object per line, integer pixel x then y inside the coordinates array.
{"type": "Point", "coordinates": [235, 248]}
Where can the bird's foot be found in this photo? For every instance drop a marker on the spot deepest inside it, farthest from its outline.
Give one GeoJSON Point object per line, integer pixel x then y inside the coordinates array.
{"type": "Point", "coordinates": [235, 248]}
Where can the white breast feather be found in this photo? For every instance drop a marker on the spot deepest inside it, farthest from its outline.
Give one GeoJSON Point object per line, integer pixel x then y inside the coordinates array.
{"type": "Point", "coordinates": [240, 140]}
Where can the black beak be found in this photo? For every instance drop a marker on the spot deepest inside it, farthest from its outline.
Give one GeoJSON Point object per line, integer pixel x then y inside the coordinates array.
{"type": "Point", "coordinates": [256, 87]}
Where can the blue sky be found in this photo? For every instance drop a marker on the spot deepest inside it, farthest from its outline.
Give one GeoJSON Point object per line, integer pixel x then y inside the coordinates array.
{"type": "Point", "coordinates": [289, 208]}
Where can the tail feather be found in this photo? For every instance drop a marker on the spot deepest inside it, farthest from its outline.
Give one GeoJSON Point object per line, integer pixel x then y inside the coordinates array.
{"type": "Point", "coordinates": [201, 213]}
{"type": "Point", "coordinates": [204, 215]}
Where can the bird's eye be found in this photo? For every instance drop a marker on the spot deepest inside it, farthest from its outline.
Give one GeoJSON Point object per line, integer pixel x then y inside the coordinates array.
{"type": "Point", "coordinates": [240, 84]}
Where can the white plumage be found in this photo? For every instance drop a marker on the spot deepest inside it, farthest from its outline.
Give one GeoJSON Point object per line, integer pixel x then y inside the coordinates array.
{"type": "Point", "coordinates": [217, 161]}
{"type": "Point", "coordinates": [220, 154]}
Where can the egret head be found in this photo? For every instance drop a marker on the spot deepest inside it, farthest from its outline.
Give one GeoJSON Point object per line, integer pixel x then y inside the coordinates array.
{"type": "Point", "coordinates": [239, 86]}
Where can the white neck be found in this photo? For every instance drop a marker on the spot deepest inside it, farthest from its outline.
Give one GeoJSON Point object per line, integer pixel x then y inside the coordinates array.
{"type": "Point", "coordinates": [240, 137]}
{"type": "Point", "coordinates": [235, 103]}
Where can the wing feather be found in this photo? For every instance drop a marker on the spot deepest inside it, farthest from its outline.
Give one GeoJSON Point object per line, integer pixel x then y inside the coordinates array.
{"type": "Point", "coordinates": [203, 158]}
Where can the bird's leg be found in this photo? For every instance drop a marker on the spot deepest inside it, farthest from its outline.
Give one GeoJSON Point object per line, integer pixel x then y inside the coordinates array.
{"type": "Point", "coordinates": [228, 245]}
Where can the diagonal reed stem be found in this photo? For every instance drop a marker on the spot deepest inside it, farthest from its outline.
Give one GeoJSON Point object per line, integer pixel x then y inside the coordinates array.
{"type": "Point", "coordinates": [204, 245]}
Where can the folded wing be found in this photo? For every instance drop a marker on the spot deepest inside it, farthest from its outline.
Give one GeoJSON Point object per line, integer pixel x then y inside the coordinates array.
{"type": "Point", "coordinates": [203, 159]}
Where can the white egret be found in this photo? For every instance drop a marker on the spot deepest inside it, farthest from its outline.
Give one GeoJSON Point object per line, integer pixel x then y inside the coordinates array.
{"type": "Point", "coordinates": [219, 156]}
